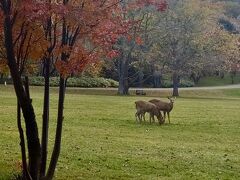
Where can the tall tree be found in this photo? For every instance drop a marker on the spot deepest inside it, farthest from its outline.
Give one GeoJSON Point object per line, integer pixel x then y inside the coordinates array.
{"type": "Point", "coordinates": [87, 30]}
{"type": "Point", "coordinates": [179, 36]}
{"type": "Point", "coordinates": [137, 13]}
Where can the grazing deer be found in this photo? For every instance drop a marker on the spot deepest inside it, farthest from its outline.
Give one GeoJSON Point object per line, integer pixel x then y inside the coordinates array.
{"type": "Point", "coordinates": [143, 107]}
{"type": "Point", "coordinates": [164, 106]}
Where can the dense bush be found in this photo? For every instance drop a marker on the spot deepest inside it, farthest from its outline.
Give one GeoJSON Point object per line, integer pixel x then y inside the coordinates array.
{"type": "Point", "coordinates": [183, 83]}
{"type": "Point", "coordinates": [186, 83]}
{"type": "Point", "coordinates": [36, 81]}
{"type": "Point", "coordinates": [77, 82]}
{"type": "Point", "coordinates": [73, 82]}
{"type": "Point", "coordinates": [166, 84]}
{"type": "Point", "coordinates": [7, 80]}
{"type": "Point", "coordinates": [93, 82]}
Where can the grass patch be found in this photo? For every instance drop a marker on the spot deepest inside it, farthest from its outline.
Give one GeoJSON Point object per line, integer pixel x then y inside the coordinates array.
{"type": "Point", "coordinates": [232, 92]}
{"type": "Point", "coordinates": [102, 141]}
{"type": "Point", "coordinates": [218, 81]}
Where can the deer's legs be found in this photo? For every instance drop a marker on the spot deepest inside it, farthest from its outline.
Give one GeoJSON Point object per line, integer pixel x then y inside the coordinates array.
{"type": "Point", "coordinates": [143, 115]}
{"type": "Point", "coordinates": [138, 116]}
{"type": "Point", "coordinates": [168, 117]}
{"type": "Point", "coordinates": [164, 115]}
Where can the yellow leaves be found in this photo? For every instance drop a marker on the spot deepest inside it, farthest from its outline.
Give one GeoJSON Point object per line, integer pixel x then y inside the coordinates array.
{"type": "Point", "coordinates": [3, 67]}
{"type": "Point", "coordinates": [30, 43]}
{"type": "Point", "coordinates": [63, 68]}
{"type": "Point", "coordinates": [93, 69]}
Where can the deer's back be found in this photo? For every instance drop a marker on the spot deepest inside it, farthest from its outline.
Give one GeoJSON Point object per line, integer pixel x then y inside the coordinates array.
{"type": "Point", "coordinates": [161, 105]}
{"type": "Point", "coordinates": [145, 106]}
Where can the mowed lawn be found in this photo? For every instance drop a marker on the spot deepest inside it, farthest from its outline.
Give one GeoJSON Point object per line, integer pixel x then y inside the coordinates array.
{"type": "Point", "coordinates": [101, 139]}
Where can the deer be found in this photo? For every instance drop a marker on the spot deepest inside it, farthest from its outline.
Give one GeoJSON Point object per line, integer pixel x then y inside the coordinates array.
{"type": "Point", "coordinates": [164, 106]}
{"type": "Point", "coordinates": [143, 107]}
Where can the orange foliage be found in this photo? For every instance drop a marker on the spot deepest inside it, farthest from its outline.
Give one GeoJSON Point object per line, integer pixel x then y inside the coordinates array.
{"type": "Point", "coordinates": [28, 38]}
{"type": "Point", "coordinates": [99, 28]}
{"type": "Point", "coordinates": [3, 67]}
{"type": "Point", "coordinates": [81, 31]}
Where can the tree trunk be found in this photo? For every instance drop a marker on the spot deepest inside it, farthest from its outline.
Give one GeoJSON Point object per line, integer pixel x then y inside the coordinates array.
{"type": "Point", "coordinates": [45, 122]}
{"type": "Point", "coordinates": [157, 80]}
{"type": "Point", "coordinates": [176, 80]}
{"type": "Point", "coordinates": [123, 66]}
{"type": "Point", "coordinates": [26, 174]}
{"type": "Point", "coordinates": [232, 78]}
{"type": "Point", "coordinates": [62, 87]}
{"type": "Point", "coordinates": [140, 79]}
{"type": "Point", "coordinates": [195, 77]}
{"type": "Point", "coordinates": [25, 103]}
{"type": "Point", "coordinates": [232, 75]}
{"type": "Point", "coordinates": [58, 136]}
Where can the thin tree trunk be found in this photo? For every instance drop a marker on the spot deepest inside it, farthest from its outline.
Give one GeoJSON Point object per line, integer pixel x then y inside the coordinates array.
{"type": "Point", "coordinates": [25, 103]}
{"type": "Point", "coordinates": [46, 65]}
{"type": "Point", "coordinates": [62, 87]}
{"type": "Point", "coordinates": [232, 75]}
{"type": "Point", "coordinates": [45, 122]}
{"type": "Point", "coordinates": [58, 136]}
{"type": "Point", "coordinates": [26, 85]}
{"type": "Point", "coordinates": [175, 84]}
{"type": "Point", "coordinates": [26, 174]}
{"type": "Point", "coordinates": [232, 78]}
{"type": "Point", "coordinates": [140, 78]}
{"type": "Point", "coordinates": [157, 80]}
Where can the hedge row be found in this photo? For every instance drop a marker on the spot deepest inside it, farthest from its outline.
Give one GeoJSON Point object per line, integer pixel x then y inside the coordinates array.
{"type": "Point", "coordinates": [76, 82]}
{"type": "Point", "coordinates": [71, 82]}
{"type": "Point", "coordinates": [183, 83]}
{"type": "Point", "coordinates": [93, 82]}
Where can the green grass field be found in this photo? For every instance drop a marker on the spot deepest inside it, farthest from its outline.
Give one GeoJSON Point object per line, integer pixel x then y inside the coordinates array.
{"type": "Point", "coordinates": [217, 81]}
{"type": "Point", "coordinates": [101, 139]}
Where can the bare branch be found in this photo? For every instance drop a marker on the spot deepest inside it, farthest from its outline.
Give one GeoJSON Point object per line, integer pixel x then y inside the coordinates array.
{"type": "Point", "coordinates": [14, 18]}
{"type": "Point", "coordinates": [76, 33]}
{"type": "Point", "coordinates": [20, 34]}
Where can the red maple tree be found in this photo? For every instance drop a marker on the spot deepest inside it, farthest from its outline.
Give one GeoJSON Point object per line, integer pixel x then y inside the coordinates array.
{"type": "Point", "coordinates": [70, 34]}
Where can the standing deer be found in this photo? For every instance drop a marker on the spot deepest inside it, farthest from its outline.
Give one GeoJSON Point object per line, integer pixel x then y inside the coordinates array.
{"type": "Point", "coordinates": [164, 106]}
{"type": "Point", "coordinates": [143, 107]}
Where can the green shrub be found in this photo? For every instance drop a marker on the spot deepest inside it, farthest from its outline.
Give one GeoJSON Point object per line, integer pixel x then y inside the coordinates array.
{"type": "Point", "coordinates": [36, 81]}
{"type": "Point", "coordinates": [186, 83]}
{"type": "Point", "coordinates": [90, 82]}
{"type": "Point", "coordinates": [167, 84]}
{"type": "Point", "coordinates": [75, 82]}
{"type": "Point", "coordinates": [183, 83]}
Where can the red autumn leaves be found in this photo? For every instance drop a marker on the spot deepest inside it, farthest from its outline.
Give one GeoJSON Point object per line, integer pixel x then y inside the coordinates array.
{"type": "Point", "coordinates": [92, 28]}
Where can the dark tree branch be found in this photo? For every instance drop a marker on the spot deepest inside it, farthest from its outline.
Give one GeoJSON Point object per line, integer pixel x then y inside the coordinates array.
{"type": "Point", "coordinates": [25, 103]}
{"type": "Point", "coordinates": [22, 144]}
{"type": "Point", "coordinates": [14, 17]}
{"type": "Point", "coordinates": [26, 53]}
{"type": "Point", "coordinates": [76, 33]}
{"type": "Point", "coordinates": [20, 50]}
{"type": "Point", "coordinates": [20, 34]}
{"type": "Point", "coordinates": [45, 116]}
